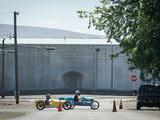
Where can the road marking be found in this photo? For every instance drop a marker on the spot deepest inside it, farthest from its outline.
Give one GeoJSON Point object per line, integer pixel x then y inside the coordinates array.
{"type": "Point", "coordinates": [89, 116]}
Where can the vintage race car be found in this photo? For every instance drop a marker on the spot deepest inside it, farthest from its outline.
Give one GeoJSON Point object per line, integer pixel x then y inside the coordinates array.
{"type": "Point", "coordinates": [54, 103]}
{"type": "Point", "coordinates": [84, 101]}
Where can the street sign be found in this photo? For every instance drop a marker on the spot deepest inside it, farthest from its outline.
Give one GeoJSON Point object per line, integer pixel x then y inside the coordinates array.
{"type": "Point", "coordinates": [133, 77]}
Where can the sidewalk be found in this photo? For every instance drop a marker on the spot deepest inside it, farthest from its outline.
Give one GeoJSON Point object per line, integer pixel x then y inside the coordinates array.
{"type": "Point", "coordinates": [9, 109]}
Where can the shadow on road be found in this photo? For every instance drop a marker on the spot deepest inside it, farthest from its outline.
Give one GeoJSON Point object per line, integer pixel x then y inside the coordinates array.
{"type": "Point", "coordinates": [144, 109]}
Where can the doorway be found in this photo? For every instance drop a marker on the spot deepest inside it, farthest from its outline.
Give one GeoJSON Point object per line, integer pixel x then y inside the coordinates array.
{"type": "Point", "coordinates": [73, 80]}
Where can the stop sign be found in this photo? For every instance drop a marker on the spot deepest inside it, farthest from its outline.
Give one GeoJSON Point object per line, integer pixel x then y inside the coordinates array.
{"type": "Point", "coordinates": [133, 77]}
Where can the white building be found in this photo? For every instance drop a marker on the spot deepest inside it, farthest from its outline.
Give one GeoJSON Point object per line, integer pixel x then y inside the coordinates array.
{"type": "Point", "coordinates": [67, 65]}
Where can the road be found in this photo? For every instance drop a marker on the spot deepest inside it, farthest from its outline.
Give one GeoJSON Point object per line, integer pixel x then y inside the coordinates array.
{"type": "Point", "coordinates": [103, 113]}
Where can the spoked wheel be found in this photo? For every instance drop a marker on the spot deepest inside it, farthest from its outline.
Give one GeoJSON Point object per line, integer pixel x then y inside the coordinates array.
{"type": "Point", "coordinates": [94, 105]}
{"type": "Point", "coordinates": [66, 105]}
{"type": "Point", "coordinates": [72, 106]}
{"type": "Point", "coordinates": [40, 105]}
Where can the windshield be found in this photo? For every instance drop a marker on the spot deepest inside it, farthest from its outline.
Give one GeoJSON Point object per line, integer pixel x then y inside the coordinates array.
{"type": "Point", "coordinates": [149, 89]}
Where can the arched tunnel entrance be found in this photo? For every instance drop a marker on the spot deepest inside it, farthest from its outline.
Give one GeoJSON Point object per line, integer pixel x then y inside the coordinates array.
{"type": "Point", "coordinates": [73, 80]}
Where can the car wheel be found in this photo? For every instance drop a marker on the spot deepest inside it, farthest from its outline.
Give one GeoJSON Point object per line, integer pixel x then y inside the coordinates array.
{"type": "Point", "coordinates": [94, 105]}
{"type": "Point", "coordinates": [72, 106]}
{"type": "Point", "coordinates": [40, 105]}
{"type": "Point", "coordinates": [138, 106]}
{"type": "Point", "coordinates": [67, 105]}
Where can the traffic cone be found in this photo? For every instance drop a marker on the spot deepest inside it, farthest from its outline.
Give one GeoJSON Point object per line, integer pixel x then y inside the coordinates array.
{"type": "Point", "coordinates": [60, 106]}
{"type": "Point", "coordinates": [120, 105]}
{"type": "Point", "coordinates": [114, 106]}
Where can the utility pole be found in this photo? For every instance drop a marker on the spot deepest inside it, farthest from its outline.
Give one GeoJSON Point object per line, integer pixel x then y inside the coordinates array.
{"type": "Point", "coordinates": [3, 69]}
{"type": "Point", "coordinates": [112, 80]}
{"type": "Point", "coordinates": [17, 92]}
{"type": "Point", "coordinates": [96, 67]}
{"type": "Point", "coordinates": [112, 83]}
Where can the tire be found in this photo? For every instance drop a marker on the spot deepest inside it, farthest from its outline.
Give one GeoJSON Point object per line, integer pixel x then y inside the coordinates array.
{"type": "Point", "coordinates": [138, 106]}
{"type": "Point", "coordinates": [72, 106]}
{"type": "Point", "coordinates": [40, 105]}
{"type": "Point", "coordinates": [94, 105]}
{"type": "Point", "coordinates": [66, 105]}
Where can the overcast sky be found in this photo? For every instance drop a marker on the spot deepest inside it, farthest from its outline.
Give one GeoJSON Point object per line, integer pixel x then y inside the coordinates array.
{"type": "Point", "coordinates": [48, 13]}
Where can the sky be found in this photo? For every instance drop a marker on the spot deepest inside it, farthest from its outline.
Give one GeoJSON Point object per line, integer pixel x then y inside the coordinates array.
{"type": "Point", "coordinates": [61, 14]}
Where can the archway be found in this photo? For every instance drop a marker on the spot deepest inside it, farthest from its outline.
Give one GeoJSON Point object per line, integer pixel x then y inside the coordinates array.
{"type": "Point", "coordinates": [73, 80]}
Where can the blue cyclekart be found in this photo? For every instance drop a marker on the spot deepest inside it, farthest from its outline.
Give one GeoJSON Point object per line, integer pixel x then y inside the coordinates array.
{"type": "Point", "coordinates": [84, 101]}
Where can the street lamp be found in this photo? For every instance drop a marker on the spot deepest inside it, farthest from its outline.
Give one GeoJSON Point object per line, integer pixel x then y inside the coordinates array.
{"type": "Point", "coordinates": [50, 48]}
{"type": "Point", "coordinates": [3, 69]}
{"type": "Point", "coordinates": [3, 62]}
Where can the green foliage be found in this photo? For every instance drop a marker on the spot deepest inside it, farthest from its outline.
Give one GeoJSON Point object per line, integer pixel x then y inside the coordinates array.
{"type": "Point", "coordinates": [136, 25]}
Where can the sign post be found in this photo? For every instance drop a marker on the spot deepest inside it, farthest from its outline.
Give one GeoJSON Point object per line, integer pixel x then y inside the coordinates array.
{"type": "Point", "coordinates": [133, 78]}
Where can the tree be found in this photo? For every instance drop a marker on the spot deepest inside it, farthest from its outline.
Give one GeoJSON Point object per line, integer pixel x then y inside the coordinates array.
{"type": "Point", "coordinates": [136, 25]}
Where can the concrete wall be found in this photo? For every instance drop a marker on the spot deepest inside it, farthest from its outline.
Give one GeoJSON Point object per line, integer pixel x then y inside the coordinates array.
{"type": "Point", "coordinates": [68, 67]}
